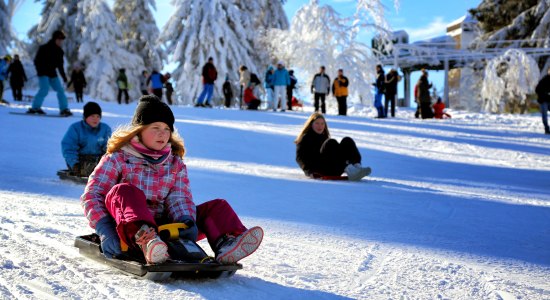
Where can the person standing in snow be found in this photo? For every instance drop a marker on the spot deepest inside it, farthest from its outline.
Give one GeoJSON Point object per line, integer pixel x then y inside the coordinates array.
{"type": "Point", "coordinates": [391, 91]}
{"type": "Point", "coordinates": [79, 82]}
{"type": "Point", "coordinates": [244, 82]}
{"type": "Point", "coordinates": [320, 88]}
{"type": "Point", "coordinates": [17, 75]}
{"type": "Point", "coordinates": [424, 97]}
{"type": "Point", "coordinates": [122, 84]}
{"type": "Point", "coordinates": [281, 80]}
{"type": "Point", "coordinates": [169, 88]}
{"type": "Point", "coordinates": [4, 65]}
{"type": "Point", "coordinates": [318, 155]}
{"type": "Point", "coordinates": [269, 87]}
{"type": "Point", "coordinates": [340, 91]}
{"type": "Point", "coordinates": [379, 86]}
{"type": "Point", "coordinates": [543, 93]}
{"type": "Point", "coordinates": [85, 141]}
{"type": "Point", "coordinates": [209, 76]}
{"type": "Point", "coordinates": [142, 182]}
{"type": "Point", "coordinates": [143, 83]}
{"type": "Point", "coordinates": [156, 80]}
{"type": "Point", "coordinates": [49, 60]}
{"type": "Point", "coordinates": [290, 88]}
{"type": "Point", "coordinates": [227, 89]}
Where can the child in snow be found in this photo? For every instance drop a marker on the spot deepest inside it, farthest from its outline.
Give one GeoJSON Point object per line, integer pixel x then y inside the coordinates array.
{"type": "Point", "coordinates": [251, 101]}
{"type": "Point", "coordinates": [142, 182]}
{"type": "Point", "coordinates": [85, 141]}
{"type": "Point", "coordinates": [318, 155]}
{"type": "Point", "coordinates": [438, 107]}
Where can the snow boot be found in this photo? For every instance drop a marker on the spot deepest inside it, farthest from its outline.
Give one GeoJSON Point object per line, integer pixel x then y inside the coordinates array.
{"type": "Point", "coordinates": [37, 111]}
{"type": "Point", "coordinates": [154, 249]}
{"type": "Point", "coordinates": [356, 172]}
{"type": "Point", "coordinates": [66, 113]}
{"type": "Point", "coordinates": [230, 249]}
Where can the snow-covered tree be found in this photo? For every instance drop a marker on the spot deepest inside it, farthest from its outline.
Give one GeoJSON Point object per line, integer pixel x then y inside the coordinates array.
{"type": "Point", "coordinates": [101, 52]}
{"type": "Point", "coordinates": [514, 23]}
{"type": "Point", "coordinates": [140, 31]}
{"type": "Point", "coordinates": [5, 28]}
{"type": "Point", "coordinates": [508, 80]}
{"type": "Point", "coordinates": [57, 15]}
{"type": "Point", "coordinates": [318, 36]}
{"type": "Point", "coordinates": [8, 37]}
{"type": "Point", "coordinates": [225, 30]}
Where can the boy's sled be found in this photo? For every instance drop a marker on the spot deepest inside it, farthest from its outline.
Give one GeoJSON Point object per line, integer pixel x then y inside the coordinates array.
{"type": "Point", "coordinates": [187, 258]}
{"type": "Point", "coordinates": [68, 175]}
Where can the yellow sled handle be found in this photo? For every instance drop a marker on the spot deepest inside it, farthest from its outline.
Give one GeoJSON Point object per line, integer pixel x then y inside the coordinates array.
{"type": "Point", "coordinates": [173, 229]}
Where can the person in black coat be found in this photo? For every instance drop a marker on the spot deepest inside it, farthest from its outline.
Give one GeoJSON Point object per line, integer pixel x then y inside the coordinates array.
{"type": "Point", "coordinates": [543, 93]}
{"type": "Point", "coordinates": [48, 61]}
{"type": "Point", "coordinates": [391, 91]}
{"type": "Point", "coordinates": [79, 82]}
{"type": "Point", "coordinates": [320, 156]}
{"type": "Point", "coordinates": [17, 78]}
{"type": "Point", "coordinates": [424, 97]}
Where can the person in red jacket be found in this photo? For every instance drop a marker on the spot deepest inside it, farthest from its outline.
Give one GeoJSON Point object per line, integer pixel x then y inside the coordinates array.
{"type": "Point", "coordinates": [142, 182]}
{"type": "Point", "coordinates": [251, 101]}
{"type": "Point", "coordinates": [438, 107]}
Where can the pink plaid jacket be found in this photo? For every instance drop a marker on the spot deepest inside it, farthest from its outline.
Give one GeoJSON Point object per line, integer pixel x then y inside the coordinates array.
{"type": "Point", "coordinates": [165, 185]}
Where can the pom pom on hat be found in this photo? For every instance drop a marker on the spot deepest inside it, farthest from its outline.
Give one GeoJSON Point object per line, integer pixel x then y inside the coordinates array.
{"type": "Point", "coordinates": [150, 110]}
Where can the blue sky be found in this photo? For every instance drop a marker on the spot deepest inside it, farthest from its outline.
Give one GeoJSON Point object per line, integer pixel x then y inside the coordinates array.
{"type": "Point", "coordinates": [422, 19]}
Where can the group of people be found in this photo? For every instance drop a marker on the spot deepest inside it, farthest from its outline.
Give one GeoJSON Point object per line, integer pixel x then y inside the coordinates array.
{"type": "Point", "coordinates": [385, 86]}
{"type": "Point", "coordinates": [423, 99]}
{"type": "Point", "coordinates": [138, 181]}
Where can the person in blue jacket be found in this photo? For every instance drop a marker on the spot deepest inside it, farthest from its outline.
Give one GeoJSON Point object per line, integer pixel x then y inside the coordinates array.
{"type": "Point", "coordinates": [157, 83]}
{"type": "Point", "coordinates": [86, 141]}
{"type": "Point", "coordinates": [281, 80]}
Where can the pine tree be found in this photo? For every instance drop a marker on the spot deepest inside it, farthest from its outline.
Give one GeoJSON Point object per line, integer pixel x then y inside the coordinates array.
{"type": "Point", "coordinates": [5, 28]}
{"type": "Point", "coordinates": [57, 15]}
{"type": "Point", "coordinates": [101, 53]}
{"type": "Point", "coordinates": [226, 30]}
{"type": "Point", "coordinates": [140, 31]}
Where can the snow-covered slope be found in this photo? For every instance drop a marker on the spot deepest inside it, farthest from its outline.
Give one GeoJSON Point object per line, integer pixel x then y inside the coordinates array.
{"type": "Point", "coordinates": [454, 209]}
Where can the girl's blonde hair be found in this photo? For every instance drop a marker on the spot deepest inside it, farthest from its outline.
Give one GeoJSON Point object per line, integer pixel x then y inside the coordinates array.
{"type": "Point", "coordinates": [124, 134]}
{"type": "Point", "coordinates": [308, 127]}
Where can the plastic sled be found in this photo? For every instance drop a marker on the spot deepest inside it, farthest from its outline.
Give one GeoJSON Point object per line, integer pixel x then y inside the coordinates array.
{"type": "Point", "coordinates": [67, 175]}
{"type": "Point", "coordinates": [187, 258]}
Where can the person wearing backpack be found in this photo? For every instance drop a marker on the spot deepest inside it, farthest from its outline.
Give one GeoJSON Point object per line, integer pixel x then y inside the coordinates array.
{"type": "Point", "coordinates": [209, 75]}
{"type": "Point", "coordinates": [157, 83]}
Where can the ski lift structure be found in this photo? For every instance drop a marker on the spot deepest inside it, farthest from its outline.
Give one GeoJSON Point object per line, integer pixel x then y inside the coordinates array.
{"type": "Point", "coordinates": [450, 52]}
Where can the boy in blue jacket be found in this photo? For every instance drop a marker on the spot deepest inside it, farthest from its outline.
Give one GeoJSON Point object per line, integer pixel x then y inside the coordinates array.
{"type": "Point", "coordinates": [86, 141]}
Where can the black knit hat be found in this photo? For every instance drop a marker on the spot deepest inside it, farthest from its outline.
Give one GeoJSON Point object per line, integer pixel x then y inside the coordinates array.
{"type": "Point", "coordinates": [150, 109]}
{"type": "Point", "coordinates": [58, 34]}
{"type": "Point", "coordinates": [91, 108]}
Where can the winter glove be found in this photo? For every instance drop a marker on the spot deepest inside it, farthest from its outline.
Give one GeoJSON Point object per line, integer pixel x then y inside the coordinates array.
{"type": "Point", "coordinates": [192, 232]}
{"type": "Point", "coordinates": [110, 242]}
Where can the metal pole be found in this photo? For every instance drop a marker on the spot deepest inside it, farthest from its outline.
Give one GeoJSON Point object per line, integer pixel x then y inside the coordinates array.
{"type": "Point", "coordinates": [446, 83]}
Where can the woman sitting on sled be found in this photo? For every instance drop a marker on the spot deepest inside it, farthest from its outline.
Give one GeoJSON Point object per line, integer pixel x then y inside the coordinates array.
{"type": "Point", "coordinates": [85, 141]}
{"type": "Point", "coordinates": [319, 156]}
{"type": "Point", "coordinates": [142, 182]}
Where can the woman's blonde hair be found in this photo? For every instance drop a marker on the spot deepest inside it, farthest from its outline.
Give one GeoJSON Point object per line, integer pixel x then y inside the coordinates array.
{"type": "Point", "coordinates": [307, 127]}
{"type": "Point", "coordinates": [124, 134]}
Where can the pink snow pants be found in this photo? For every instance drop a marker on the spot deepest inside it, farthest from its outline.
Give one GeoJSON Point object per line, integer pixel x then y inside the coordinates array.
{"type": "Point", "coordinates": [128, 206]}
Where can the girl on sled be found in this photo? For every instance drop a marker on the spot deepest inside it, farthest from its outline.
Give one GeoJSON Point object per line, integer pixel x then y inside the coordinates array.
{"type": "Point", "coordinates": [141, 183]}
